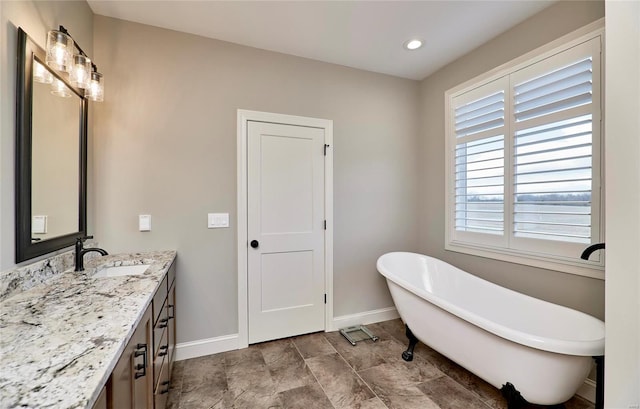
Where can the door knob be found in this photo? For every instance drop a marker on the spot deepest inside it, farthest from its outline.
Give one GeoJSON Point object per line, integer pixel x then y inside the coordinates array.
{"type": "Point", "coordinates": [254, 244]}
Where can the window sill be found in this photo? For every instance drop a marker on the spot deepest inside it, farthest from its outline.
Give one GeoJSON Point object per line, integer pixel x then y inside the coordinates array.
{"type": "Point", "coordinates": [592, 269]}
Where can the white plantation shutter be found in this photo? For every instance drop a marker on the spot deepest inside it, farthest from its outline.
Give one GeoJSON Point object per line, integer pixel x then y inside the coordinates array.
{"type": "Point", "coordinates": [480, 186]}
{"type": "Point", "coordinates": [524, 154]}
{"type": "Point", "coordinates": [553, 168]}
{"type": "Point", "coordinates": [482, 115]}
{"type": "Point", "coordinates": [555, 126]}
{"type": "Point", "coordinates": [479, 122]}
{"type": "Point", "coordinates": [555, 91]}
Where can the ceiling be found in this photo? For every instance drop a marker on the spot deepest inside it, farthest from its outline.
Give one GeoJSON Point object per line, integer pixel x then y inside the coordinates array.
{"type": "Point", "coordinates": [367, 35]}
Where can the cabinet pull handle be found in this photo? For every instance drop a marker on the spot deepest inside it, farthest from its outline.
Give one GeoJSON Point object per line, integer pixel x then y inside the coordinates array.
{"type": "Point", "coordinates": [163, 350]}
{"type": "Point", "coordinates": [141, 350]}
{"type": "Point", "coordinates": [173, 313]}
{"type": "Point", "coordinates": [165, 383]}
{"type": "Point", "coordinates": [163, 323]}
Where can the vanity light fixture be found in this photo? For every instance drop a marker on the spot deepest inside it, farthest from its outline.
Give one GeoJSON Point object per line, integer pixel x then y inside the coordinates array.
{"type": "Point", "coordinates": [59, 50]}
{"type": "Point", "coordinates": [95, 91]}
{"type": "Point", "coordinates": [80, 74]}
{"type": "Point", "coordinates": [83, 73]}
{"type": "Point", "coordinates": [413, 44]}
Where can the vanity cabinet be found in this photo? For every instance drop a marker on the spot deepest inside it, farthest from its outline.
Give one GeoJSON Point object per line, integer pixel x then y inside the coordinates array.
{"type": "Point", "coordinates": [130, 385]}
{"type": "Point", "coordinates": [141, 377]}
{"type": "Point", "coordinates": [164, 337]}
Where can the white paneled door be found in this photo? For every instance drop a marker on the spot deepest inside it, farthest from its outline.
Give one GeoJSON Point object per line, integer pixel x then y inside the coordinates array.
{"type": "Point", "coordinates": [285, 230]}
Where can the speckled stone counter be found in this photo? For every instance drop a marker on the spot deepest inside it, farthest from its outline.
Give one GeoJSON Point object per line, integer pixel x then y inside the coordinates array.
{"type": "Point", "coordinates": [60, 340]}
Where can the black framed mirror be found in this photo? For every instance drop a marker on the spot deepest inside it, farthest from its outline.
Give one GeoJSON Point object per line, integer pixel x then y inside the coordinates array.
{"type": "Point", "coordinates": [51, 156]}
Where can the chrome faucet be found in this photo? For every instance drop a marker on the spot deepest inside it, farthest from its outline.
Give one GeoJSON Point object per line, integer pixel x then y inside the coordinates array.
{"type": "Point", "coordinates": [81, 251]}
{"type": "Point", "coordinates": [587, 252]}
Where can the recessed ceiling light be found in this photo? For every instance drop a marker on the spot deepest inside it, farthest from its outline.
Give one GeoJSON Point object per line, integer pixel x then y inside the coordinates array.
{"type": "Point", "coordinates": [413, 44]}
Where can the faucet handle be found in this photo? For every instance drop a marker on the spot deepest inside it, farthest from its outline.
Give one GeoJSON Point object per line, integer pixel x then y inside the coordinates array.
{"type": "Point", "coordinates": [81, 240]}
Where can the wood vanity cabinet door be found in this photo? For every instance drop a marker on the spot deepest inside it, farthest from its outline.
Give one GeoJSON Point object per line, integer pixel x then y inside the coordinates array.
{"type": "Point", "coordinates": [132, 378]}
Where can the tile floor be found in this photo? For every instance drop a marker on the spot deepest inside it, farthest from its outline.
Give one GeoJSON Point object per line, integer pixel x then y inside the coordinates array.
{"type": "Point", "coordinates": [323, 370]}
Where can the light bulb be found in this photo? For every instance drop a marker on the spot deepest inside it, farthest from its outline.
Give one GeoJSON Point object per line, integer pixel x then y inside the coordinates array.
{"type": "Point", "coordinates": [79, 76]}
{"type": "Point", "coordinates": [95, 91]}
{"type": "Point", "coordinates": [413, 44]}
{"type": "Point", "coordinates": [59, 50]}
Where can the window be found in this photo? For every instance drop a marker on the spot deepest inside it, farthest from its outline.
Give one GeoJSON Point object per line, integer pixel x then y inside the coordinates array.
{"type": "Point", "coordinates": [523, 160]}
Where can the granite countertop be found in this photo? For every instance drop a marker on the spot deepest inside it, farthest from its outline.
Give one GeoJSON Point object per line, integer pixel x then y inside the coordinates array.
{"type": "Point", "coordinates": [60, 340]}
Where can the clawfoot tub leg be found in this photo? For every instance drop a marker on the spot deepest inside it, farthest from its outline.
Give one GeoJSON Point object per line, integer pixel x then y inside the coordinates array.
{"type": "Point", "coordinates": [408, 354]}
{"type": "Point", "coordinates": [513, 397]}
{"type": "Point", "coordinates": [516, 401]}
{"type": "Point", "coordinates": [599, 381]}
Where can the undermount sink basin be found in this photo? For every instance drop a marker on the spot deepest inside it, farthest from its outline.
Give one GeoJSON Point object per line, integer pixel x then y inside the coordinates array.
{"type": "Point", "coordinates": [119, 271]}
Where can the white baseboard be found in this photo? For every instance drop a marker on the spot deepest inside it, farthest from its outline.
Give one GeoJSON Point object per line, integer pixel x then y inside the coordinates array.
{"type": "Point", "coordinates": [588, 390]}
{"type": "Point", "coordinates": [202, 347]}
{"type": "Point", "coordinates": [364, 318]}
{"type": "Point", "coordinates": [209, 346]}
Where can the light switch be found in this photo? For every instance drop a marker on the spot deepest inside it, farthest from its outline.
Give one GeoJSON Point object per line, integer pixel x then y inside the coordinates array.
{"type": "Point", "coordinates": [217, 220]}
{"type": "Point", "coordinates": [144, 222]}
{"type": "Point", "coordinates": [39, 225]}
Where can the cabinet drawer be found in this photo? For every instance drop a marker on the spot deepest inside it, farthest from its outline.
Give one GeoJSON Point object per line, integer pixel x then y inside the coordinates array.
{"type": "Point", "coordinates": [160, 354]}
{"type": "Point", "coordinates": [161, 390]}
{"type": "Point", "coordinates": [160, 331]}
{"type": "Point", "coordinates": [158, 300]}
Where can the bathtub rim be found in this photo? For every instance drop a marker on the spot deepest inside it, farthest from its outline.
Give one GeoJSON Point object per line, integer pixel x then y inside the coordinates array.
{"type": "Point", "coordinates": [593, 347]}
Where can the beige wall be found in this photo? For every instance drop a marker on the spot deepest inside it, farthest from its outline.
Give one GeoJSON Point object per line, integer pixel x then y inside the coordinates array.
{"type": "Point", "coordinates": [165, 145]}
{"type": "Point", "coordinates": [577, 292]}
{"type": "Point", "coordinates": [36, 18]}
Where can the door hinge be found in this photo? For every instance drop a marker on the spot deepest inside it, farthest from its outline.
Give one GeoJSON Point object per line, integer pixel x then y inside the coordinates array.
{"type": "Point", "coordinates": [325, 298]}
{"type": "Point", "coordinates": [325, 149]}
{"type": "Point", "coordinates": [325, 225]}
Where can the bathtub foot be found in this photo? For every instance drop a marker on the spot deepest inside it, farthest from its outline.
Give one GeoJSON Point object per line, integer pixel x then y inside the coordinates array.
{"type": "Point", "coordinates": [513, 397]}
{"type": "Point", "coordinates": [599, 381]}
{"type": "Point", "coordinates": [408, 354]}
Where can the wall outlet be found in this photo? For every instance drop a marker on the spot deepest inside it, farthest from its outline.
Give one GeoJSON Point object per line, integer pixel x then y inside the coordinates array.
{"type": "Point", "coordinates": [217, 220]}
{"type": "Point", "coordinates": [144, 222]}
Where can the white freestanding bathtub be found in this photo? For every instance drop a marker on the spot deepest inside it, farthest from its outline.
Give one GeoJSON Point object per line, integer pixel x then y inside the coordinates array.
{"type": "Point", "coordinates": [543, 349]}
